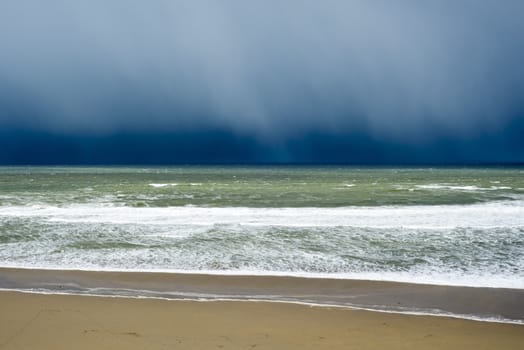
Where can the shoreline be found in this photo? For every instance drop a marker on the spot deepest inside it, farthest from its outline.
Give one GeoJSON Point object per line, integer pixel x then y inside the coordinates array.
{"type": "Point", "coordinates": [271, 274]}
{"type": "Point", "coordinates": [299, 303]}
{"type": "Point", "coordinates": [59, 321]}
{"type": "Point", "coordinates": [495, 305]}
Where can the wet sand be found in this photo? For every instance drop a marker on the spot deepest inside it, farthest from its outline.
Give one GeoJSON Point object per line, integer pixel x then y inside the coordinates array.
{"type": "Point", "coordinates": [485, 303]}
{"type": "Point", "coordinates": [36, 321]}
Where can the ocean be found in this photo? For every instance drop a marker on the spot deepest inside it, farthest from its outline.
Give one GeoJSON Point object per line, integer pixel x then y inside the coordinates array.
{"type": "Point", "coordinates": [440, 225]}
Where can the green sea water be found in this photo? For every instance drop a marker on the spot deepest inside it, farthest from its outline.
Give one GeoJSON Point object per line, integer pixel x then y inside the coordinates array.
{"type": "Point", "coordinates": [236, 186]}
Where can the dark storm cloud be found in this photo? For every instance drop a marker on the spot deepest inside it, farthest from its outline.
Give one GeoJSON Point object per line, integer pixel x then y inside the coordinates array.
{"type": "Point", "coordinates": [276, 71]}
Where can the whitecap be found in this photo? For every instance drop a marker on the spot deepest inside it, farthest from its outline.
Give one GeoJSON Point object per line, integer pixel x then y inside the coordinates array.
{"type": "Point", "coordinates": [162, 185]}
{"type": "Point", "coordinates": [467, 188]}
{"type": "Point", "coordinates": [491, 214]}
{"type": "Point", "coordinates": [448, 187]}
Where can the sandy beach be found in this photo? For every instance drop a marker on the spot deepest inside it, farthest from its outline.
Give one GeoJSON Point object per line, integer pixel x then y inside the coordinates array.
{"type": "Point", "coordinates": [172, 317]}
{"type": "Point", "coordinates": [36, 321]}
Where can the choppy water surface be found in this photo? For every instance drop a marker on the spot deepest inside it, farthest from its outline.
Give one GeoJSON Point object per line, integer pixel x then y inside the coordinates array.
{"type": "Point", "coordinates": [428, 225]}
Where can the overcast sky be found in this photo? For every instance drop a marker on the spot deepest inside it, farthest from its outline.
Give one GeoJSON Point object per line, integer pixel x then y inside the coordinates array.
{"type": "Point", "coordinates": [377, 81]}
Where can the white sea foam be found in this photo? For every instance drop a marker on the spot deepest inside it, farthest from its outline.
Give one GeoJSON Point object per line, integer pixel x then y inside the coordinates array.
{"type": "Point", "coordinates": [469, 188]}
{"type": "Point", "coordinates": [493, 214]}
{"type": "Point", "coordinates": [476, 245]}
{"type": "Point", "coordinates": [163, 185]}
